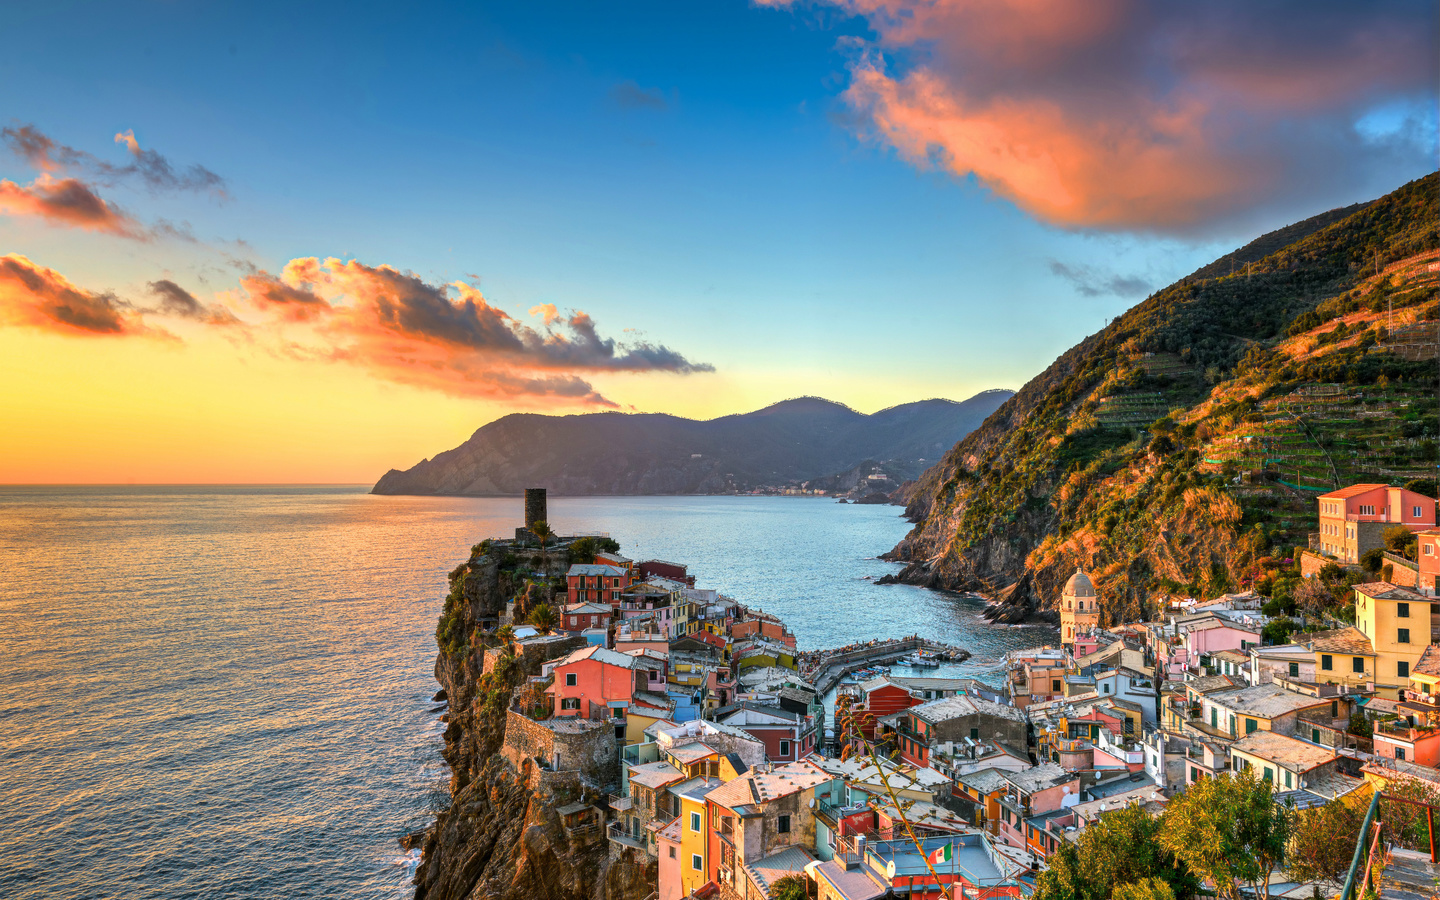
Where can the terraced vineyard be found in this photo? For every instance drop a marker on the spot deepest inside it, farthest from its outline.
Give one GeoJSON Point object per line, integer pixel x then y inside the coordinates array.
{"type": "Point", "coordinates": [1189, 439]}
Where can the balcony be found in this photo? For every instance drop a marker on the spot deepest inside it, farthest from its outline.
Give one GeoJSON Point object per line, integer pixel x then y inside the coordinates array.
{"type": "Point", "coordinates": [617, 833]}
{"type": "Point", "coordinates": [621, 804]}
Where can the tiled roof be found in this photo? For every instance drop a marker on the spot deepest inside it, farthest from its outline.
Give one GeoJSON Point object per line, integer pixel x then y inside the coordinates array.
{"type": "Point", "coordinates": [767, 871]}
{"type": "Point", "coordinates": [656, 774]}
{"type": "Point", "coordinates": [758, 786]}
{"type": "Point", "coordinates": [1429, 663]}
{"type": "Point", "coordinates": [1209, 684]}
{"type": "Point", "coordinates": [1265, 701]}
{"type": "Point", "coordinates": [1349, 640]}
{"type": "Point", "coordinates": [1287, 752]}
{"type": "Point", "coordinates": [692, 752]}
{"type": "Point", "coordinates": [1384, 590]}
{"type": "Point", "coordinates": [1352, 491]}
{"type": "Point", "coordinates": [601, 655]}
{"type": "Point", "coordinates": [594, 569]}
{"type": "Point", "coordinates": [587, 608]}
{"type": "Point", "coordinates": [986, 781]}
{"type": "Point", "coordinates": [1039, 777]}
{"type": "Point", "coordinates": [961, 705]}
{"type": "Point", "coordinates": [695, 788]}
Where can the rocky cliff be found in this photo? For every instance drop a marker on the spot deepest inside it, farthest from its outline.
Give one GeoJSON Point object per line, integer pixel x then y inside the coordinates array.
{"type": "Point", "coordinates": [614, 453]}
{"type": "Point", "coordinates": [502, 837]}
{"type": "Point", "coordinates": [1177, 449]}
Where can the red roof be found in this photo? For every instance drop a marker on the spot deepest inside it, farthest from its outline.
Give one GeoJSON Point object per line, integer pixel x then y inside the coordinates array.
{"type": "Point", "coordinates": [1353, 490]}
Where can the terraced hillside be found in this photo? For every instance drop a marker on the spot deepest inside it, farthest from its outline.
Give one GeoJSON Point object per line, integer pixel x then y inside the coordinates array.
{"type": "Point", "coordinates": [1189, 438]}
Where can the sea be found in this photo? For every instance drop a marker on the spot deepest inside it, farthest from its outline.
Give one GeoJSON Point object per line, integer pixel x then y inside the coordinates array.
{"type": "Point", "coordinates": [226, 692]}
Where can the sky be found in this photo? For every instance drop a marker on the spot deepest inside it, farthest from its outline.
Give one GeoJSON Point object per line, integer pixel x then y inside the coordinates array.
{"type": "Point", "coordinates": [267, 243]}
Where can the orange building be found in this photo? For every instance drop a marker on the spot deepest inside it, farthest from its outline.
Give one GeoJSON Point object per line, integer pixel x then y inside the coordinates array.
{"type": "Point", "coordinates": [1353, 519]}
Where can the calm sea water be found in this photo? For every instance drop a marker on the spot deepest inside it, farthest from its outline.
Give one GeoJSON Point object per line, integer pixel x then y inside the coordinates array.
{"type": "Point", "coordinates": [225, 692]}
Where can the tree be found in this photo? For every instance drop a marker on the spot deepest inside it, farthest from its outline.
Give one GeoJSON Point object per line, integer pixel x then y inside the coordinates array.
{"type": "Point", "coordinates": [1360, 725]}
{"type": "Point", "coordinates": [1401, 540]}
{"type": "Point", "coordinates": [1278, 631]}
{"type": "Point", "coordinates": [1324, 842]}
{"type": "Point", "coordinates": [1145, 889]}
{"type": "Point", "coordinates": [543, 617]}
{"type": "Point", "coordinates": [543, 534]}
{"type": "Point", "coordinates": [583, 551]}
{"type": "Point", "coordinates": [1312, 595]}
{"type": "Point", "coordinates": [1121, 848]}
{"type": "Point", "coordinates": [505, 634]}
{"type": "Point", "coordinates": [1230, 830]}
{"type": "Point", "coordinates": [1372, 560]}
{"type": "Point", "coordinates": [1424, 486]}
{"type": "Point", "coordinates": [791, 887]}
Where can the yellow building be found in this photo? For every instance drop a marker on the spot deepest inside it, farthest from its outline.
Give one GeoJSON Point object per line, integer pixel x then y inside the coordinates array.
{"type": "Point", "coordinates": [1079, 608]}
{"type": "Point", "coordinates": [693, 837]}
{"type": "Point", "coordinates": [1397, 623]}
{"type": "Point", "coordinates": [1342, 656]}
{"type": "Point", "coordinates": [1283, 761]}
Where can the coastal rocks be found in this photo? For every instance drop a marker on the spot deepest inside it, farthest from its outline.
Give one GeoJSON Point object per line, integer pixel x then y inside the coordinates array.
{"type": "Point", "coordinates": [502, 838]}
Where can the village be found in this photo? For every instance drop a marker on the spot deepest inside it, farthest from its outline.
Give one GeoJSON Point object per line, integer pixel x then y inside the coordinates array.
{"type": "Point", "coordinates": [704, 742]}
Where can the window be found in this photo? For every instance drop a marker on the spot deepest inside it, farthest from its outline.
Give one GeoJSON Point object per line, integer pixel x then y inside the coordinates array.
{"type": "Point", "coordinates": [672, 852]}
{"type": "Point", "coordinates": [1315, 735]}
{"type": "Point", "coordinates": [1415, 512]}
{"type": "Point", "coordinates": [1194, 774]}
{"type": "Point", "coordinates": [1430, 551]}
{"type": "Point", "coordinates": [1288, 776]}
{"type": "Point", "coordinates": [1269, 774]}
{"type": "Point", "coordinates": [1055, 686]}
{"type": "Point", "coordinates": [1402, 668]}
{"type": "Point", "coordinates": [570, 679]}
{"type": "Point", "coordinates": [1106, 688]}
{"type": "Point", "coordinates": [696, 862]}
{"type": "Point", "coordinates": [695, 821]}
{"type": "Point", "coordinates": [1357, 665]}
{"type": "Point", "coordinates": [1402, 635]}
{"type": "Point", "coordinates": [1251, 725]}
{"type": "Point", "coordinates": [974, 734]}
{"type": "Point", "coordinates": [782, 825]}
{"type": "Point", "coordinates": [1294, 670]}
{"type": "Point", "coordinates": [784, 748]}
{"type": "Point", "coordinates": [1327, 662]}
{"type": "Point", "coordinates": [570, 703]}
{"type": "Point", "coordinates": [1402, 610]}
{"type": "Point", "coordinates": [572, 621]}
{"type": "Point", "coordinates": [1400, 753]}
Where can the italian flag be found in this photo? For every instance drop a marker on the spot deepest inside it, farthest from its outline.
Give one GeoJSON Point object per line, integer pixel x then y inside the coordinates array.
{"type": "Point", "coordinates": [943, 855]}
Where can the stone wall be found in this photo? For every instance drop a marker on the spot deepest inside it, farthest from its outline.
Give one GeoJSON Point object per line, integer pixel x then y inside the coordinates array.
{"type": "Point", "coordinates": [586, 749]}
{"type": "Point", "coordinates": [1403, 572]}
{"type": "Point", "coordinates": [1311, 563]}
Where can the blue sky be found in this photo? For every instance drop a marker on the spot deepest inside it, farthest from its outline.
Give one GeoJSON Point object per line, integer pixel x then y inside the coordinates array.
{"type": "Point", "coordinates": [689, 172]}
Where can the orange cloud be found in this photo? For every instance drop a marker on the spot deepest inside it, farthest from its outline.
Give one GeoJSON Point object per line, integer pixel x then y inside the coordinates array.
{"type": "Point", "coordinates": [1119, 114]}
{"type": "Point", "coordinates": [445, 337]}
{"type": "Point", "coordinates": [68, 202]}
{"type": "Point", "coordinates": [38, 297]}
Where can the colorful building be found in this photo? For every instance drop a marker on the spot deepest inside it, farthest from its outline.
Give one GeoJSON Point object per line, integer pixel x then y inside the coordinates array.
{"type": "Point", "coordinates": [1079, 608]}
{"type": "Point", "coordinates": [1353, 519]}
{"type": "Point", "coordinates": [595, 583]}
{"type": "Point", "coordinates": [1399, 625]}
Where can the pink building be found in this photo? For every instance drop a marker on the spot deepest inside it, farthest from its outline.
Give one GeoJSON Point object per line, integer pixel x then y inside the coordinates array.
{"type": "Point", "coordinates": [596, 683]}
{"type": "Point", "coordinates": [1429, 556]}
{"type": "Point", "coordinates": [1194, 640]}
{"type": "Point", "coordinates": [1353, 519]}
{"type": "Point", "coordinates": [1042, 789]}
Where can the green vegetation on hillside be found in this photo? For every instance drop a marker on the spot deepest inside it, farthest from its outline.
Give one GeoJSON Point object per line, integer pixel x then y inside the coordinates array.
{"type": "Point", "coordinates": [1188, 439]}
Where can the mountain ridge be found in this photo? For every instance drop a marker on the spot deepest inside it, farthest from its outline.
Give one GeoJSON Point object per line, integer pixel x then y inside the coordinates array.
{"type": "Point", "coordinates": [1180, 448]}
{"type": "Point", "coordinates": [615, 453]}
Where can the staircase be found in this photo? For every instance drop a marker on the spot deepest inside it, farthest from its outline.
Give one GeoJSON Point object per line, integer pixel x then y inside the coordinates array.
{"type": "Point", "coordinates": [1409, 875]}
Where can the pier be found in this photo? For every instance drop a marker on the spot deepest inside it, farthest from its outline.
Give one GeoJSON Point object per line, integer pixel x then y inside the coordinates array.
{"type": "Point", "coordinates": [827, 667]}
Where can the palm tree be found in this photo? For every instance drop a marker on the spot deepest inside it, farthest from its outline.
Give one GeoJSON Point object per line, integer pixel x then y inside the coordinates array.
{"type": "Point", "coordinates": [542, 533]}
{"type": "Point", "coordinates": [505, 634]}
{"type": "Point", "coordinates": [543, 618]}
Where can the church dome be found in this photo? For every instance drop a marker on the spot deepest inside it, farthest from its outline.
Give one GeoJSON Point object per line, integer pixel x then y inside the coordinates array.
{"type": "Point", "coordinates": [1079, 585]}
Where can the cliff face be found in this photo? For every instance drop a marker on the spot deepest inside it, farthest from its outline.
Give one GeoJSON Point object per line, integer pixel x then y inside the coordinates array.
{"type": "Point", "coordinates": [1173, 450]}
{"type": "Point", "coordinates": [502, 837]}
{"type": "Point", "coordinates": [613, 453]}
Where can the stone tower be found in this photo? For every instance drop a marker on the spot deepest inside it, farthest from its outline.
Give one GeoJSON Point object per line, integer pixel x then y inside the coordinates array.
{"type": "Point", "coordinates": [1079, 608]}
{"type": "Point", "coordinates": [535, 507]}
